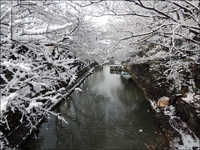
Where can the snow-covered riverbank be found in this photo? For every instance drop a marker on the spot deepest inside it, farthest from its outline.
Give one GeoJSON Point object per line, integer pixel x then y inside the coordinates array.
{"type": "Point", "coordinates": [177, 132]}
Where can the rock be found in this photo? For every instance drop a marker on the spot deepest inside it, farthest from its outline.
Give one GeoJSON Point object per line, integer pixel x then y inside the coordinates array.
{"type": "Point", "coordinates": [163, 101]}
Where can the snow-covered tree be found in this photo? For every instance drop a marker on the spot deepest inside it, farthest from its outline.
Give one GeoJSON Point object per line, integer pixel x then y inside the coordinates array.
{"type": "Point", "coordinates": [157, 30]}
{"type": "Point", "coordinates": [45, 43]}
{"type": "Point", "coordinates": [43, 46]}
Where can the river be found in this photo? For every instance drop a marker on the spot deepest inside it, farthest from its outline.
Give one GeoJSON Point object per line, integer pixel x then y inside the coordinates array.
{"type": "Point", "coordinates": [108, 113]}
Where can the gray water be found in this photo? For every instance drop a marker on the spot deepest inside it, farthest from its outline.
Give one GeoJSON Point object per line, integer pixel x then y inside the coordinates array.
{"type": "Point", "coordinates": [108, 113]}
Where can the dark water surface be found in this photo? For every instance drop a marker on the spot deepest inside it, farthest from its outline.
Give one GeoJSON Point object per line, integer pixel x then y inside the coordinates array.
{"type": "Point", "coordinates": [108, 113]}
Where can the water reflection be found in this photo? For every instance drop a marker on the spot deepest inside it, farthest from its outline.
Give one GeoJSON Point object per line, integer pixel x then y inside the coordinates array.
{"type": "Point", "coordinates": [107, 114]}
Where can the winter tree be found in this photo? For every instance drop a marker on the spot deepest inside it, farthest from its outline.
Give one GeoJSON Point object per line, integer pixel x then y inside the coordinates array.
{"type": "Point", "coordinates": [43, 46]}
{"type": "Point", "coordinates": [157, 30]}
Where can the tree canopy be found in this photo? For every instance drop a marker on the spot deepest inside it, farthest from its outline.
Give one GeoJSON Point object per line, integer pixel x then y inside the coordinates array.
{"type": "Point", "coordinates": [45, 43]}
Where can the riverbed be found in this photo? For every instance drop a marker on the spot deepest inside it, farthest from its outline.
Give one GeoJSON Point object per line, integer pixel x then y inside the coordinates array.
{"type": "Point", "coordinates": [105, 112]}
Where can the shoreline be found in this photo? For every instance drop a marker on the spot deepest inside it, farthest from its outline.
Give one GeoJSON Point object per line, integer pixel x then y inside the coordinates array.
{"type": "Point", "coordinates": [168, 132]}
{"type": "Point", "coordinates": [161, 119]}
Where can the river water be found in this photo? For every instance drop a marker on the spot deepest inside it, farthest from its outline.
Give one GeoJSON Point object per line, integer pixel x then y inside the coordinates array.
{"type": "Point", "coordinates": [108, 113]}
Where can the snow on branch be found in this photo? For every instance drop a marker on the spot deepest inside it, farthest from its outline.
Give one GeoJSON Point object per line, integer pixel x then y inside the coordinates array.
{"type": "Point", "coordinates": [45, 30]}
{"type": "Point", "coordinates": [6, 100]}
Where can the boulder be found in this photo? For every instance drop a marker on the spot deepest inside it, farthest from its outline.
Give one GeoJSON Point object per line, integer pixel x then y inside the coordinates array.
{"type": "Point", "coordinates": [163, 101]}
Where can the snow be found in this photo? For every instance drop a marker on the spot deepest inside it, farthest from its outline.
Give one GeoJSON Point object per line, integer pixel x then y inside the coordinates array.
{"type": "Point", "coordinates": [38, 86]}
{"type": "Point", "coordinates": [169, 110]}
{"type": "Point", "coordinates": [91, 70]}
{"type": "Point", "coordinates": [189, 98]}
{"type": "Point", "coordinates": [5, 101]}
{"type": "Point", "coordinates": [74, 69]}
{"type": "Point", "coordinates": [73, 78]}
{"type": "Point", "coordinates": [188, 138]}
{"type": "Point", "coordinates": [78, 89]}
{"type": "Point", "coordinates": [23, 66]}
{"type": "Point", "coordinates": [188, 141]}
{"type": "Point", "coordinates": [197, 97]}
{"type": "Point", "coordinates": [45, 30]}
{"type": "Point", "coordinates": [8, 11]}
{"type": "Point", "coordinates": [16, 22]}
{"type": "Point", "coordinates": [193, 99]}
{"type": "Point", "coordinates": [154, 105]}
{"type": "Point", "coordinates": [33, 103]}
